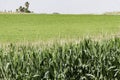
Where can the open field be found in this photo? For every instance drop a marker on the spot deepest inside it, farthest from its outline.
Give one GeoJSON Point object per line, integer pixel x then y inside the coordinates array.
{"type": "Point", "coordinates": [35, 27]}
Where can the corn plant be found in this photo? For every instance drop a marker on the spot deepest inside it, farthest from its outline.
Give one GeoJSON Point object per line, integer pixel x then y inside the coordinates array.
{"type": "Point", "coordinates": [86, 60]}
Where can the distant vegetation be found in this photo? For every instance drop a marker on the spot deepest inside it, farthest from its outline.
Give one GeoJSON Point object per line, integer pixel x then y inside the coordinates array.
{"type": "Point", "coordinates": [56, 13]}
{"type": "Point", "coordinates": [112, 13]}
{"type": "Point", "coordinates": [24, 9]}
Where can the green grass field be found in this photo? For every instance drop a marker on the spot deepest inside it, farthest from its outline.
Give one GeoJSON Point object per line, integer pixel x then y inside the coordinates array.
{"type": "Point", "coordinates": [35, 27]}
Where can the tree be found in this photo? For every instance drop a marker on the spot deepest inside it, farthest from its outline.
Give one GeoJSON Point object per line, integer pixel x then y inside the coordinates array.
{"type": "Point", "coordinates": [24, 9]}
{"type": "Point", "coordinates": [17, 10]}
{"type": "Point", "coordinates": [27, 5]}
{"type": "Point", "coordinates": [21, 9]}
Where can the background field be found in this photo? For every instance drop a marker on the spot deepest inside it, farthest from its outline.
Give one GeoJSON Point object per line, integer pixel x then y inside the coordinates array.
{"type": "Point", "coordinates": [35, 27]}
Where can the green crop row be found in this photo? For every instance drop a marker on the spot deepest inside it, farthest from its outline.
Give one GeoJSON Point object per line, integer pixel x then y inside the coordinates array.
{"type": "Point", "coordinates": [87, 60]}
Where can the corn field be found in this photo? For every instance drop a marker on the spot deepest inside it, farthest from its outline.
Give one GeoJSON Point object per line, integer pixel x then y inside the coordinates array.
{"type": "Point", "coordinates": [86, 60]}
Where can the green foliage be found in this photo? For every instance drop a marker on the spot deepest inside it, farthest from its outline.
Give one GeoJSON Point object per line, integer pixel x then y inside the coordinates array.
{"type": "Point", "coordinates": [24, 9]}
{"type": "Point", "coordinates": [27, 5]}
{"type": "Point", "coordinates": [87, 60]}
